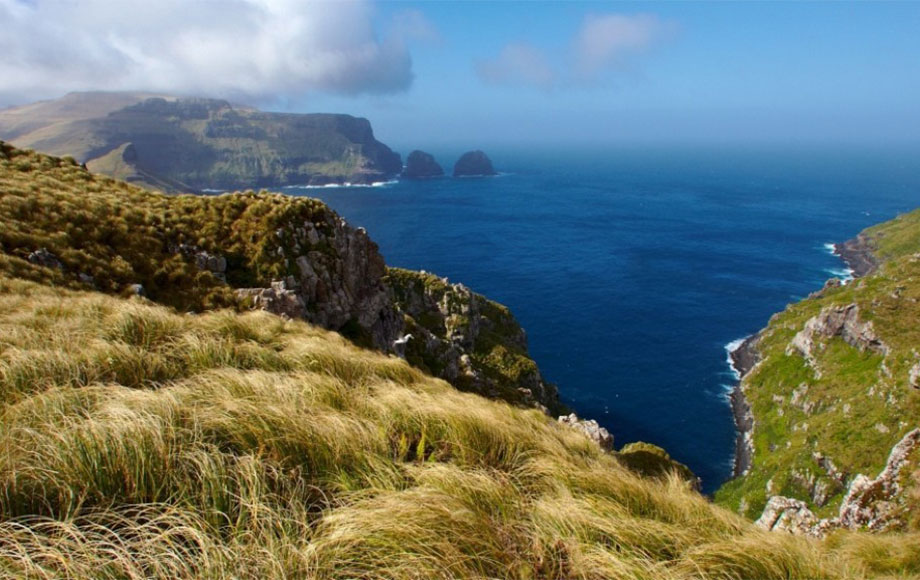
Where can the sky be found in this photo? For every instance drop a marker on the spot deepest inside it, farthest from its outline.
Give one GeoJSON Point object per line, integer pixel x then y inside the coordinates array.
{"type": "Point", "coordinates": [469, 74]}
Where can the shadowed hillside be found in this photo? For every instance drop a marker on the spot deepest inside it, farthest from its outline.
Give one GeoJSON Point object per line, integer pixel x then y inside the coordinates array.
{"type": "Point", "coordinates": [191, 144]}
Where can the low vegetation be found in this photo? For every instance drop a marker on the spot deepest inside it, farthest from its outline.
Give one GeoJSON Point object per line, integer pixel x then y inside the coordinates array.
{"type": "Point", "coordinates": [850, 406]}
{"type": "Point", "coordinates": [116, 235]}
{"type": "Point", "coordinates": [137, 442]}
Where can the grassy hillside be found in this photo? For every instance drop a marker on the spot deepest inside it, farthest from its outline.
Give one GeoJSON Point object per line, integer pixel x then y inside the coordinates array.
{"type": "Point", "coordinates": [139, 440]}
{"type": "Point", "coordinates": [189, 144]}
{"type": "Point", "coordinates": [848, 405]}
{"type": "Point", "coordinates": [103, 234]}
{"type": "Point", "coordinates": [138, 443]}
{"type": "Point", "coordinates": [120, 235]}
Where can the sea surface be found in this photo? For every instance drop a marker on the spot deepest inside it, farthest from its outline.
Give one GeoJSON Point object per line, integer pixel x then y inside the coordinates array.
{"type": "Point", "coordinates": [632, 269]}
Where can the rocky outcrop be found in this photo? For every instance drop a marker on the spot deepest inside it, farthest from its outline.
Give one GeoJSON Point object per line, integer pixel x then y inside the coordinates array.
{"type": "Point", "coordinates": [743, 358]}
{"type": "Point", "coordinates": [42, 257]}
{"type": "Point", "coordinates": [874, 504]}
{"type": "Point", "coordinates": [474, 164]}
{"type": "Point", "coordinates": [842, 321]}
{"type": "Point", "coordinates": [421, 165]}
{"type": "Point", "coordinates": [859, 255]}
{"type": "Point", "coordinates": [339, 282]}
{"type": "Point", "coordinates": [591, 430]}
{"type": "Point", "coordinates": [468, 340]}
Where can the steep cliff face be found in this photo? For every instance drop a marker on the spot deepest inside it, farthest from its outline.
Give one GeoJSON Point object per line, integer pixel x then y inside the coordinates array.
{"type": "Point", "coordinates": [290, 256]}
{"type": "Point", "coordinates": [834, 400]}
{"type": "Point", "coordinates": [191, 144]}
{"type": "Point", "coordinates": [467, 339]}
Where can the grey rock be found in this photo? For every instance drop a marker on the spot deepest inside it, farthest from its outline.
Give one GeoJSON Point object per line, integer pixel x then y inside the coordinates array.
{"type": "Point", "coordinates": [869, 502]}
{"type": "Point", "coordinates": [842, 321]}
{"type": "Point", "coordinates": [590, 428]}
{"type": "Point", "coordinates": [42, 257]}
{"type": "Point", "coordinates": [913, 376]}
{"type": "Point", "coordinates": [420, 165]}
{"type": "Point", "coordinates": [474, 164]}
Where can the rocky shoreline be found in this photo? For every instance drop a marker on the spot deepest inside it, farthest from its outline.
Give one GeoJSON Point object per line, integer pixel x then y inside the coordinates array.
{"type": "Point", "coordinates": [858, 253]}
{"type": "Point", "coordinates": [743, 358]}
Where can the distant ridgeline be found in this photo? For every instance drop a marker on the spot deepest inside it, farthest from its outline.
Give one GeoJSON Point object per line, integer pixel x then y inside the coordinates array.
{"type": "Point", "coordinates": [833, 389]}
{"type": "Point", "coordinates": [193, 144]}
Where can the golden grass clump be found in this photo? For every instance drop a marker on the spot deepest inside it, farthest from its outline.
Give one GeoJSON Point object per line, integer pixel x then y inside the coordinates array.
{"type": "Point", "coordinates": [136, 442]}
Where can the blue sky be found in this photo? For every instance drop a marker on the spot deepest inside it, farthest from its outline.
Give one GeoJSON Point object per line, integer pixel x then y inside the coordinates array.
{"type": "Point", "coordinates": [432, 74]}
{"type": "Point", "coordinates": [731, 71]}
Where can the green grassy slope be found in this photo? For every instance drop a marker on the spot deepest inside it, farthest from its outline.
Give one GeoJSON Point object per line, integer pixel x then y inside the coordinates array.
{"type": "Point", "coordinates": [850, 406]}
{"type": "Point", "coordinates": [122, 235]}
{"type": "Point", "coordinates": [137, 443]}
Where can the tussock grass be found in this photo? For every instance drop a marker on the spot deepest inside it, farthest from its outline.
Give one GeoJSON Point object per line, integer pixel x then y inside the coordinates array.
{"type": "Point", "coordinates": [251, 447]}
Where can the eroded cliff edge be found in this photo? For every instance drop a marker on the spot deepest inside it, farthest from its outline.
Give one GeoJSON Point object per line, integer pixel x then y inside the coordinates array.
{"type": "Point", "coordinates": [291, 256]}
{"type": "Point", "coordinates": [832, 388]}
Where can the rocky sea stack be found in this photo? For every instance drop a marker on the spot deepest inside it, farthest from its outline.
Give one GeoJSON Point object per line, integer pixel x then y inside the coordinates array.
{"type": "Point", "coordinates": [474, 164]}
{"type": "Point", "coordinates": [420, 165]}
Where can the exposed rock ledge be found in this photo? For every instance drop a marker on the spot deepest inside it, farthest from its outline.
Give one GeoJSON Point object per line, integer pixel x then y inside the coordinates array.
{"type": "Point", "coordinates": [743, 359]}
{"type": "Point", "coordinates": [859, 255]}
{"type": "Point", "coordinates": [842, 321]}
{"type": "Point", "coordinates": [337, 279]}
{"type": "Point", "coordinates": [869, 503]}
{"type": "Point", "coordinates": [591, 429]}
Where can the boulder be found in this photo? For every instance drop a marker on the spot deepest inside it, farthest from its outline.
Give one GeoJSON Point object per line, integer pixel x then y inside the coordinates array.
{"type": "Point", "coordinates": [420, 165]}
{"type": "Point", "coordinates": [474, 164]}
{"type": "Point", "coordinates": [591, 429]}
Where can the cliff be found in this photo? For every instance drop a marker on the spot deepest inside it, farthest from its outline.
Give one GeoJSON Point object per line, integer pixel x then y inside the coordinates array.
{"type": "Point", "coordinates": [193, 144]}
{"type": "Point", "coordinates": [291, 256]}
{"type": "Point", "coordinates": [834, 398]}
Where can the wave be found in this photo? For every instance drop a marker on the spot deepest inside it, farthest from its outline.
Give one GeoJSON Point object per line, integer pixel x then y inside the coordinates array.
{"type": "Point", "coordinates": [831, 248]}
{"type": "Point", "coordinates": [729, 349]}
{"type": "Point", "coordinates": [845, 274]}
{"type": "Point", "coordinates": [346, 185]}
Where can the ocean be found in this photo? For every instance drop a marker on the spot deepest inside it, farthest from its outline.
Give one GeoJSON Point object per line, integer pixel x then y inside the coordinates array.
{"type": "Point", "coordinates": [633, 269]}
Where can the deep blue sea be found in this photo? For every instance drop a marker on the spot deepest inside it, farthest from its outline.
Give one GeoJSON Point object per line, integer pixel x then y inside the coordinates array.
{"type": "Point", "coordinates": [632, 269]}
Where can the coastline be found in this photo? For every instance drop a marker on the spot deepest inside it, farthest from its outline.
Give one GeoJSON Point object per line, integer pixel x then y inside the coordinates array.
{"type": "Point", "coordinates": [742, 358]}
{"type": "Point", "coordinates": [858, 254]}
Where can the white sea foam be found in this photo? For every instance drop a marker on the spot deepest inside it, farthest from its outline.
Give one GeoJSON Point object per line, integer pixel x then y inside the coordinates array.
{"type": "Point", "coordinates": [845, 274]}
{"type": "Point", "coordinates": [729, 349]}
{"type": "Point", "coordinates": [346, 185]}
{"type": "Point", "coordinates": [831, 248]}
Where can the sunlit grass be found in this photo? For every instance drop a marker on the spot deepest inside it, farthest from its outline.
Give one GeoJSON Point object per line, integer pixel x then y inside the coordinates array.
{"type": "Point", "coordinates": [258, 448]}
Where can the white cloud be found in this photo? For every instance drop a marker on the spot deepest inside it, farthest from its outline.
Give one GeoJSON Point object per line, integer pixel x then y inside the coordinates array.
{"type": "Point", "coordinates": [518, 64]}
{"type": "Point", "coordinates": [605, 41]}
{"type": "Point", "coordinates": [252, 49]}
{"type": "Point", "coordinates": [604, 44]}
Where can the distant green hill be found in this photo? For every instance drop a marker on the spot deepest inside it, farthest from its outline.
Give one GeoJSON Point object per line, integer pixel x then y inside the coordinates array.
{"type": "Point", "coordinates": [835, 397]}
{"type": "Point", "coordinates": [192, 144]}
